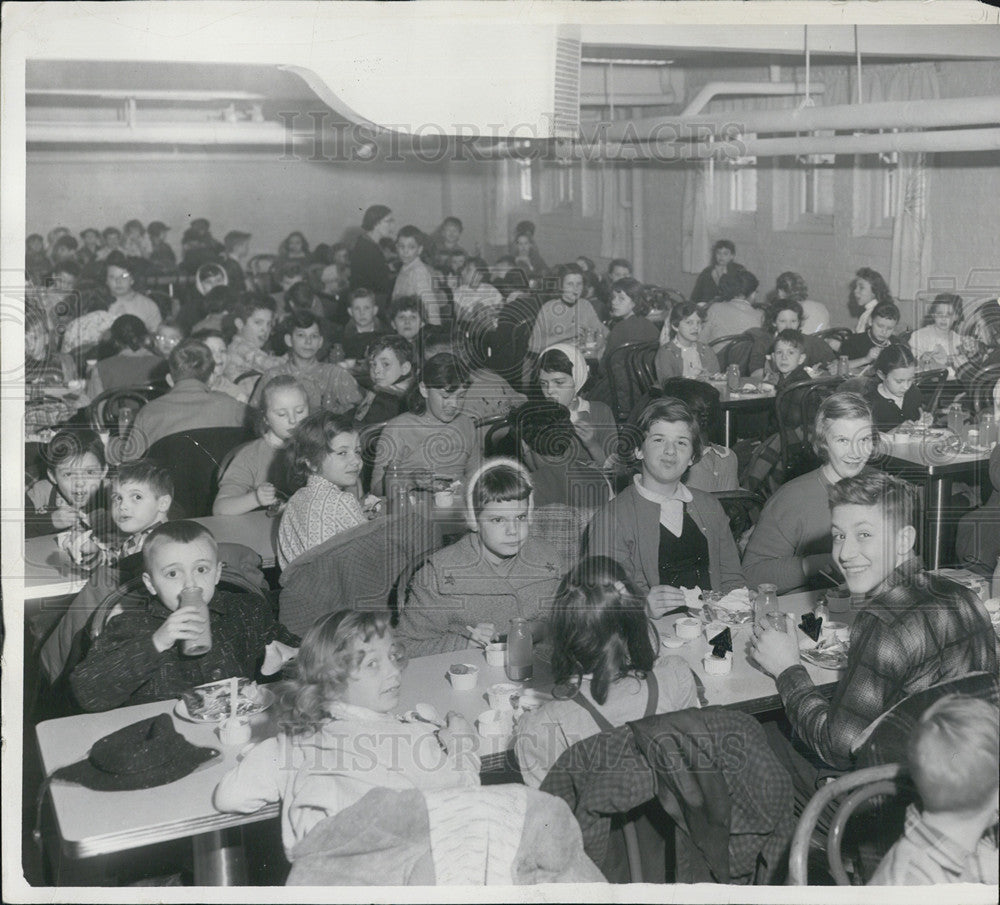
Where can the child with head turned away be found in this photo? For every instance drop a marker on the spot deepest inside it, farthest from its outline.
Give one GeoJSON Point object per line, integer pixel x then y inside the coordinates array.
{"type": "Point", "coordinates": [953, 759]}
{"type": "Point", "coordinates": [340, 735]}
{"type": "Point", "coordinates": [140, 654]}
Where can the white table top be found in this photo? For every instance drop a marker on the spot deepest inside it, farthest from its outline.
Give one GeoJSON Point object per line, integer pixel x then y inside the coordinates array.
{"type": "Point", "coordinates": [49, 572]}
{"type": "Point", "coordinates": [93, 823]}
{"type": "Point", "coordinates": [934, 453]}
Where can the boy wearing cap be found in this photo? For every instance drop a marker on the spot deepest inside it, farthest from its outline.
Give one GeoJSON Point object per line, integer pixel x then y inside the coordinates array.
{"type": "Point", "coordinates": [137, 657]}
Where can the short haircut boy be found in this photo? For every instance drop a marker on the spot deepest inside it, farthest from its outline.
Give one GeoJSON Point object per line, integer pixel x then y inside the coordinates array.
{"type": "Point", "coordinates": [669, 409]}
{"type": "Point", "coordinates": [182, 531]}
{"type": "Point", "coordinates": [250, 303]}
{"type": "Point", "coordinates": [887, 311]}
{"type": "Point", "coordinates": [499, 483]}
{"type": "Point", "coordinates": [954, 754]}
{"type": "Point", "coordinates": [146, 472]}
{"type": "Point", "coordinates": [793, 338]}
{"type": "Point", "coordinates": [405, 303]}
{"type": "Point", "coordinates": [401, 347]}
{"type": "Point", "coordinates": [70, 443]}
{"type": "Point", "coordinates": [361, 293]}
{"type": "Point", "coordinates": [191, 359]}
{"type": "Point", "coordinates": [411, 232]}
{"type": "Point", "coordinates": [894, 496]}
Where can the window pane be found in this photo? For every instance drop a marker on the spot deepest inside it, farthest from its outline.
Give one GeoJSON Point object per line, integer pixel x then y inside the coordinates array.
{"type": "Point", "coordinates": [525, 166]}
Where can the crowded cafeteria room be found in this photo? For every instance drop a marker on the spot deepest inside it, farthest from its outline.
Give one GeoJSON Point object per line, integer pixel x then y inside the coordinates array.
{"type": "Point", "coordinates": [351, 376]}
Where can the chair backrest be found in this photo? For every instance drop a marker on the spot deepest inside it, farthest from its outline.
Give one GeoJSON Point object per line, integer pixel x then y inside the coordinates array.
{"type": "Point", "coordinates": [193, 458]}
{"type": "Point", "coordinates": [104, 410]}
{"type": "Point", "coordinates": [981, 390]}
{"type": "Point", "coordinates": [742, 508]}
{"type": "Point", "coordinates": [631, 374]}
{"type": "Point", "coordinates": [796, 406]}
{"type": "Point", "coordinates": [499, 437]}
{"type": "Point", "coordinates": [368, 440]}
{"type": "Point", "coordinates": [835, 337]}
{"type": "Point", "coordinates": [930, 384]}
{"type": "Point", "coordinates": [735, 350]}
{"type": "Point", "coordinates": [859, 786]}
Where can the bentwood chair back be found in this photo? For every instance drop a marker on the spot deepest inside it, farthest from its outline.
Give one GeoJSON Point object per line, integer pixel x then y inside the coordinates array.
{"type": "Point", "coordinates": [855, 788]}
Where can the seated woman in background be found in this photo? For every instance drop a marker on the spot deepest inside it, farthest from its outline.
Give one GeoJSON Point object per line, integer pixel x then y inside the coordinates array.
{"type": "Point", "coordinates": [681, 353]}
{"type": "Point", "coordinates": [868, 290]}
{"type": "Point", "coordinates": [132, 365]}
{"type": "Point", "coordinates": [937, 343]}
{"type": "Point", "coordinates": [790, 287]}
{"type": "Point", "coordinates": [562, 373]}
{"type": "Point", "coordinates": [706, 287]}
{"type": "Point", "coordinates": [258, 474]}
{"type": "Point", "coordinates": [666, 535]}
{"type": "Point", "coordinates": [786, 315]}
{"type": "Point", "coordinates": [791, 543]}
{"type": "Point", "coordinates": [603, 644]}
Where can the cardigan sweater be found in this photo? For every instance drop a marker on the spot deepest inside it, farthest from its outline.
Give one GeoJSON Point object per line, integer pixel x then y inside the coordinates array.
{"type": "Point", "coordinates": [670, 363]}
{"type": "Point", "coordinates": [627, 530]}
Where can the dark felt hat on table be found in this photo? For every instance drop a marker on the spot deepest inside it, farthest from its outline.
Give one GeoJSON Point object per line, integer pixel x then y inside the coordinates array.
{"type": "Point", "coordinates": [139, 756]}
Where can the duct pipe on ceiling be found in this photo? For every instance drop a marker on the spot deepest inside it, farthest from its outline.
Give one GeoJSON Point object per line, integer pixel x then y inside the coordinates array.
{"type": "Point", "coordinates": [922, 114]}
{"type": "Point", "coordinates": [930, 142]}
{"type": "Point", "coordinates": [747, 89]}
{"type": "Point", "coordinates": [246, 133]}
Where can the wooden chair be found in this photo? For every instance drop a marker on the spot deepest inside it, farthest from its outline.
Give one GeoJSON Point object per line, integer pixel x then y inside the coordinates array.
{"type": "Point", "coordinates": [368, 440]}
{"type": "Point", "coordinates": [981, 388]}
{"type": "Point", "coordinates": [104, 411]}
{"type": "Point", "coordinates": [193, 458]}
{"type": "Point", "coordinates": [835, 337]}
{"type": "Point", "coordinates": [742, 508]}
{"type": "Point", "coordinates": [796, 406]}
{"type": "Point", "coordinates": [859, 786]}
{"type": "Point", "coordinates": [734, 349]}
{"type": "Point", "coordinates": [931, 384]}
{"type": "Point", "coordinates": [631, 372]}
{"type": "Point", "coordinates": [252, 378]}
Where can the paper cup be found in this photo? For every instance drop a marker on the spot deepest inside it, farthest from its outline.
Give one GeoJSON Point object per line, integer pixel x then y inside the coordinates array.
{"type": "Point", "coordinates": [234, 732]}
{"type": "Point", "coordinates": [496, 653]}
{"type": "Point", "coordinates": [500, 695]}
{"type": "Point", "coordinates": [687, 627]}
{"type": "Point", "coordinates": [444, 499]}
{"type": "Point", "coordinates": [465, 679]}
{"type": "Point", "coordinates": [718, 666]}
{"type": "Point", "coordinates": [495, 723]}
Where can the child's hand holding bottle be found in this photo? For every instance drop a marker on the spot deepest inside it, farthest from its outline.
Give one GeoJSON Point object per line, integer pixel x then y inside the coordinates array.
{"type": "Point", "coordinates": [266, 494]}
{"type": "Point", "coordinates": [183, 624]}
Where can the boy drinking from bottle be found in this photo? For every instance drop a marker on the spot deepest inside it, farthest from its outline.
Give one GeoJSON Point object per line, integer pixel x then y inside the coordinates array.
{"type": "Point", "coordinates": [138, 657]}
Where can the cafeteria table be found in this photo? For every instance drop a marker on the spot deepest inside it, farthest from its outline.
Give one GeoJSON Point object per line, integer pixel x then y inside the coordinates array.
{"type": "Point", "coordinates": [49, 572]}
{"type": "Point", "coordinates": [733, 402]}
{"type": "Point", "coordinates": [933, 461]}
{"type": "Point", "coordinates": [92, 823]}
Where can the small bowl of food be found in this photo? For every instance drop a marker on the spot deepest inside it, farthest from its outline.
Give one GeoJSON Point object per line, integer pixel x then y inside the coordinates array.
{"type": "Point", "coordinates": [463, 676]}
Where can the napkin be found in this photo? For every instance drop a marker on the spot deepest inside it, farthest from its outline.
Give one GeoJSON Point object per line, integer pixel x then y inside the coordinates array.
{"type": "Point", "coordinates": [737, 601]}
{"type": "Point", "coordinates": [812, 625]}
{"type": "Point", "coordinates": [692, 597]}
{"type": "Point", "coordinates": [721, 644]}
{"type": "Point", "coordinates": [276, 655]}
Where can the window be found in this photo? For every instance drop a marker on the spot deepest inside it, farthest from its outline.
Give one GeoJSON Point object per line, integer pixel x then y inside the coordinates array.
{"type": "Point", "coordinates": [816, 189]}
{"type": "Point", "coordinates": [734, 185]}
{"type": "Point", "coordinates": [876, 188]}
{"type": "Point", "coordinates": [526, 192]}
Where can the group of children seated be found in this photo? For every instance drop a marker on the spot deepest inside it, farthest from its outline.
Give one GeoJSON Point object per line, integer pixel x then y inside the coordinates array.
{"type": "Point", "coordinates": [645, 487]}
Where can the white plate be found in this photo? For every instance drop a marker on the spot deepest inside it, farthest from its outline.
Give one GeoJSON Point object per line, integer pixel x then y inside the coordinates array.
{"type": "Point", "coordinates": [267, 698]}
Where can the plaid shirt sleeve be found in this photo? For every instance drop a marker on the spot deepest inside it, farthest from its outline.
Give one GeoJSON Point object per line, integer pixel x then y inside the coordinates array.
{"type": "Point", "coordinates": [877, 664]}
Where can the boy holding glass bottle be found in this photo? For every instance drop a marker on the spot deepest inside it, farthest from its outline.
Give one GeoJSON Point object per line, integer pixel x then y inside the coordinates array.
{"type": "Point", "coordinates": [139, 656]}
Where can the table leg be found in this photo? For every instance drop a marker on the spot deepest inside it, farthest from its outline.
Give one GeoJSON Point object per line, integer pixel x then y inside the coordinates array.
{"type": "Point", "coordinates": [938, 497]}
{"type": "Point", "coordinates": [728, 421]}
{"type": "Point", "coordinates": [219, 859]}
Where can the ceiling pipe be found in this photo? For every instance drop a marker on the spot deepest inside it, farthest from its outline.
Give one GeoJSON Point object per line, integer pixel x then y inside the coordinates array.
{"type": "Point", "coordinates": [746, 89]}
{"type": "Point", "coordinates": [113, 133]}
{"type": "Point", "coordinates": [929, 142]}
{"type": "Point", "coordinates": [921, 114]}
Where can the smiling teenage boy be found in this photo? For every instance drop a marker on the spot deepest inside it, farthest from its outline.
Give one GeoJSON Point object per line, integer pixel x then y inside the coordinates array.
{"type": "Point", "coordinates": [913, 630]}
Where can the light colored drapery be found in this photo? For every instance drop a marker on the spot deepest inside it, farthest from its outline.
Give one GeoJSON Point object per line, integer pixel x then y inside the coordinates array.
{"type": "Point", "coordinates": [617, 220]}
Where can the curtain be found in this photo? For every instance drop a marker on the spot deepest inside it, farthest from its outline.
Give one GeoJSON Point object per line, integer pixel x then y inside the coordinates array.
{"type": "Point", "coordinates": [911, 234]}
{"type": "Point", "coordinates": [617, 224]}
{"type": "Point", "coordinates": [502, 194]}
{"type": "Point", "coordinates": [696, 217]}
